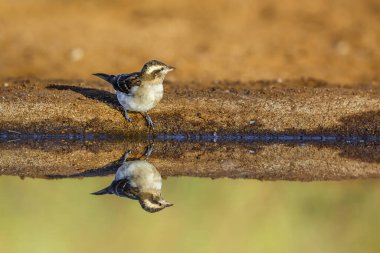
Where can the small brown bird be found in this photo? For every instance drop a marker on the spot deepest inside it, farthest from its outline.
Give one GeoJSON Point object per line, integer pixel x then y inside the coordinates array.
{"type": "Point", "coordinates": [140, 91]}
{"type": "Point", "coordinates": [138, 180]}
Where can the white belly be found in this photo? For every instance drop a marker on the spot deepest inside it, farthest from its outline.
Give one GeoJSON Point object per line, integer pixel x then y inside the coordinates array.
{"type": "Point", "coordinates": [142, 98]}
{"type": "Point", "coordinates": [141, 174]}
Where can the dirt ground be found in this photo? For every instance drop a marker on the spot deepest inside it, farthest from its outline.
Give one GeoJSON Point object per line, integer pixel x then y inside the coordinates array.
{"type": "Point", "coordinates": [337, 41]}
{"type": "Point", "coordinates": [43, 106]}
{"type": "Point", "coordinates": [73, 107]}
{"type": "Point", "coordinates": [264, 161]}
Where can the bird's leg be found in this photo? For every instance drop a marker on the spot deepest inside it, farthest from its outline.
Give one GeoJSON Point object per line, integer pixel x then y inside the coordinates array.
{"type": "Point", "coordinates": [126, 155]}
{"type": "Point", "coordinates": [149, 121]}
{"type": "Point", "coordinates": [127, 117]}
{"type": "Point", "coordinates": [148, 150]}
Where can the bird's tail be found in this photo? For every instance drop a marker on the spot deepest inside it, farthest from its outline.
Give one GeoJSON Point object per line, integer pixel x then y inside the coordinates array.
{"type": "Point", "coordinates": [106, 190]}
{"type": "Point", "coordinates": [105, 77]}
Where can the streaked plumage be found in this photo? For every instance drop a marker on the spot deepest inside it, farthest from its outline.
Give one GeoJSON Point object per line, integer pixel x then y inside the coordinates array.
{"type": "Point", "coordinates": [138, 180]}
{"type": "Point", "coordinates": [139, 91]}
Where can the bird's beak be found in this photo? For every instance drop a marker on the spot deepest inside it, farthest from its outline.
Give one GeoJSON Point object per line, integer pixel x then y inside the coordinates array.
{"type": "Point", "coordinates": [169, 204]}
{"type": "Point", "coordinates": [165, 203]}
{"type": "Point", "coordinates": [170, 68]}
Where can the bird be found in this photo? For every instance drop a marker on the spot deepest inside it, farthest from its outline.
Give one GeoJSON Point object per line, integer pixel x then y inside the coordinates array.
{"type": "Point", "coordinates": [138, 179]}
{"type": "Point", "coordinates": [139, 91]}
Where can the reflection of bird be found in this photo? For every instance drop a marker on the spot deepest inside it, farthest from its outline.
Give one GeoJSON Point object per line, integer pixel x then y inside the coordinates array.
{"type": "Point", "coordinates": [140, 91]}
{"type": "Point", "coordinates": [138, 180]}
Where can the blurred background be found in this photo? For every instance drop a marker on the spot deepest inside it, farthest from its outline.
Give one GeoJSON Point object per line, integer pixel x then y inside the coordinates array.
{"type": "Point", "coordinates": [221, 215]}
{"type": "Point", "coordinates": [337, 41]}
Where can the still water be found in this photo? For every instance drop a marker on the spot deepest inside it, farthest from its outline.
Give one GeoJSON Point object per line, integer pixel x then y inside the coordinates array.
{"type": "Point", "coordinates": [303, 200]}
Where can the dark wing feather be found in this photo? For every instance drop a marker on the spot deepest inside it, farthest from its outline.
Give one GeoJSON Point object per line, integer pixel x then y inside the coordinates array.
{"type": "Point", "coordinates": [122, 188]}
{"type": "Point", "coordinates": [126, 82]}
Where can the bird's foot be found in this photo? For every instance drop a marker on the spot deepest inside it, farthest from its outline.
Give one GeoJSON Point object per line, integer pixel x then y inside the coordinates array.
{"type": "Point", "coordinates": [127, 154]}
{"type": "Point", "coordinates": [149, 150]}
{"type": "Point", "coordinates": [148, 120]}
{"type": "Point", "coordinates": [150, 124]}
{"type": "Point", "coordinates": [127, 116]}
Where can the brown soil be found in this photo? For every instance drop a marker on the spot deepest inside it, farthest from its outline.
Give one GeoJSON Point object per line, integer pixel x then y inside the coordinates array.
{"type": "Point", "coordinates": [83, 107]}
{"type": "Point", "coordinates": [53, 159]}
{"type": "Point", "coordinates": [209, 40]}
{"type": "Point", "coordinates": [86, 107]}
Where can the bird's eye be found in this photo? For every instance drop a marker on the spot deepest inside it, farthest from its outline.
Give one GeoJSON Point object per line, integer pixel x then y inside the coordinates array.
{"type": "Point", "coordinates": [162, 68]}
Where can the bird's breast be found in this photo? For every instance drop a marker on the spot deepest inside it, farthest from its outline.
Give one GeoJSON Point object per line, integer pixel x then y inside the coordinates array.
{"type": "Point", "coordinates": [142, 98]}
{"type": "Point", "coordinates": [140, 174]}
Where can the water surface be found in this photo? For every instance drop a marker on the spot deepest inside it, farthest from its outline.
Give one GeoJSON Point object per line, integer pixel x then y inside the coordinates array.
{"type": "Point", "coordinates": [52, 209]}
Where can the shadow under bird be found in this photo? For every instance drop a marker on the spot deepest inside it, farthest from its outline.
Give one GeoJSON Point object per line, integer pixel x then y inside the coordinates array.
{"type": "Point", "coordinates": [138, 180]}
{"type": "Point", "coordinates": [140, 91]}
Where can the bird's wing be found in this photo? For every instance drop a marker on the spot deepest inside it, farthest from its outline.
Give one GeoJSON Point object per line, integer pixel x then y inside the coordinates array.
{"type": "Point", "coordinates": [124, 189]}
{"type": "Point", "coordinates": [126, 82]}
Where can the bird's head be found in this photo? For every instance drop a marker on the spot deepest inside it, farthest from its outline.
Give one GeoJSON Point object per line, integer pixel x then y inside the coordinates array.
{"type": "Point", "coordinates": [155, 70]}
{"type": "Point", "coordinates": [153, 202]}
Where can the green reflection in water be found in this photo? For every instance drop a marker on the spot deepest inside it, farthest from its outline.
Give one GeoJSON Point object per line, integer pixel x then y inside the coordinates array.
{"type": "Point", "coordinates": [209, 216]}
